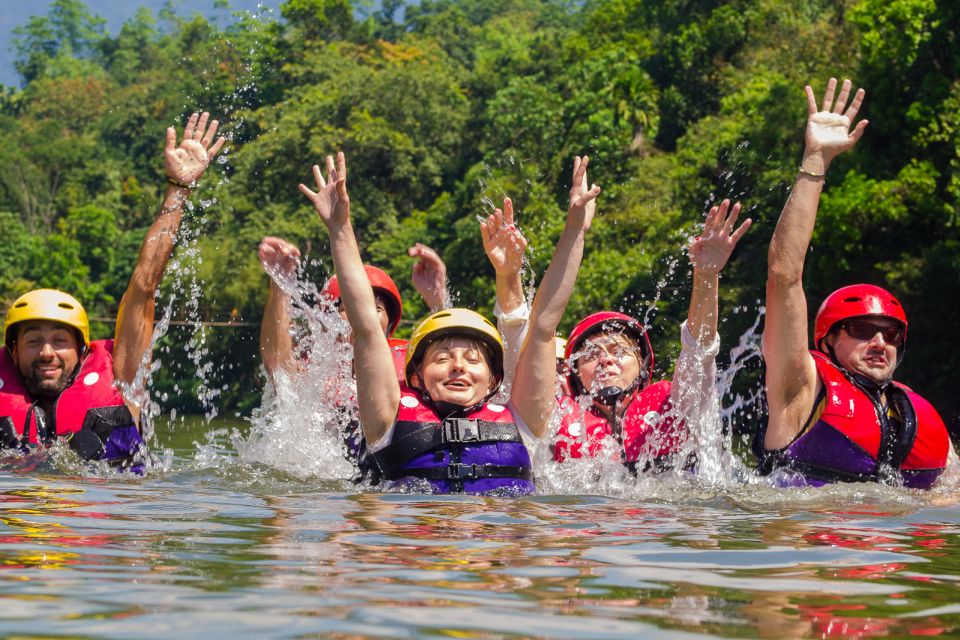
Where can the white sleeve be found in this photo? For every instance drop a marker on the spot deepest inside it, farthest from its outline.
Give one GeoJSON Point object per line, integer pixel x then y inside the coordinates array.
{"type": "Point", "coordinates": [693, 391]}
{"type": "Point", "coordinates": [513, 329]}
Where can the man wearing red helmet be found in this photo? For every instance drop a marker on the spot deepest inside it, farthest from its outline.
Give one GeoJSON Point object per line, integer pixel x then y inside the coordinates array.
{"type": "Point", "coordinates": [835, 413]}
{"type": "Point", "coordinates": [611, 362]}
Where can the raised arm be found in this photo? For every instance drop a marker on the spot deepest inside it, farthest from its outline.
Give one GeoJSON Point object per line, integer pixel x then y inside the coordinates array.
{"type": "Point", "coordinates": [378, 391]}
{"type": "Point", "coordinates": [280, 260]}
{"type": "Point", "coordinates": [791, 379]}
{"type": "Point", "coordinates": [535, 381]}
{"type": "Point", "coordinates": [709, 253]}
{"type": "Point", "coordinates": [429, 277]}
{"type": "Point", "coordinates": [505, 246]}
{"type": "Point", "coordinates": [184, 164]}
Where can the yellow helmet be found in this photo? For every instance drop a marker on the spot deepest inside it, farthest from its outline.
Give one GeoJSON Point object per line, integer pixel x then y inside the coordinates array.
{"type": "Point", "coordinates": [454, 322]}
{"type": "Point", "coordinates": [47, 304]}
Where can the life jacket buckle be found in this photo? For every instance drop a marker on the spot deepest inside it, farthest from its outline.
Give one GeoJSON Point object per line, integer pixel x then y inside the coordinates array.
{"type": "Point", "coordinates": [461, 471]}
{"type": "Point", "coordinates": [460, 430]}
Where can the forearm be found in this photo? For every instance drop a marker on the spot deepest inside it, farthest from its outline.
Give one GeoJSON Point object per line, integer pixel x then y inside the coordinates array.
{"type": "Point", "coordinates": [276, 343]}
{"type": "Point", "coordinates": [791, 238]}
{"type": "Point", "coordinates": [158, 243]}
{"type": "Point", "coordinates": [356, 294]}
{"type": "Point", "coordinates": [535, 381]}
{"type": "Point", "coordinates": [703, 314]}
{"type": "Point", "coordinates": [509, 291]}
{"type": "Point", "coordinates": [137, 310]}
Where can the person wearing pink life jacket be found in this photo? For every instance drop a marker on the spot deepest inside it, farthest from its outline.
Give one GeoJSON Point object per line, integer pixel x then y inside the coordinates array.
{"type": "Point", "coordinates": [835, 414]}
{"type": "Point", "coordinates": [614, 400]}
{"type": "Point", "coordinates": [441, 428]}
{"type": "Point", "coordinates": [55, 381]}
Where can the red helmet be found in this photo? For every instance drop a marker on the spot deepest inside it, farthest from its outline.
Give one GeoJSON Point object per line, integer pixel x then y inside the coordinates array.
{"type": "Point", "coordinates": [381, 283]}
{"type": "Point", "coordinates": [607, 321]}
{"type": "Point", "coordinates": [856, 300]}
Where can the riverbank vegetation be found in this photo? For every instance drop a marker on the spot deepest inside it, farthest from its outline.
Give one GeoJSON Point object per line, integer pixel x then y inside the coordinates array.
{"type": "Point", "coordinates": [455, 104]}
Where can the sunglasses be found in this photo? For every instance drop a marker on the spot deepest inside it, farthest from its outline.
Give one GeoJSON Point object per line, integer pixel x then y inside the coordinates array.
{"type": "Point", "coordinates": [863, 329]}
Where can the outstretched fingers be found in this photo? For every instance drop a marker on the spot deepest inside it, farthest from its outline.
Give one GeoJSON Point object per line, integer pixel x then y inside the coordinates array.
{"type": "Point", "coordinates": [201, 126]}
{"type": "Point", "coordinates": [858, 131]}
{"type": "Point", "coordinates": [851, 113]}
{"type": "Point", "coordinates": [508, 212]}
{"type": "Point", "coordinates": [209, 133]}
{"type": "Point", "coordinates": [318, 177]}
{"type": "Point", "coordinates": [305, 190]}
{"type": "Point", "coordinates": [171, 139]}
{"type": "Point", "coordinates": [742, 229]}
{"type": "Point", "coordinates": [811, 100]}
{"type": "Point", "coordinates": [842, 98]}
{"type": "Point", "coordinates": [828, 95]}
{"type": "Point", "coordinates": [191, 126]}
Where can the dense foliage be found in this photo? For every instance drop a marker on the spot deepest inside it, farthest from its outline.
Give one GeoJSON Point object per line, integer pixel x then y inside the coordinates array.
{"type": "Point", "coordinates": [445, 110]}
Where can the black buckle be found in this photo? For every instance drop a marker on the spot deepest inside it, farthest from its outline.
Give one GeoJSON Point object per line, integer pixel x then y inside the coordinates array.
{"type": "Point", "coordinates": [460, 430]}
{"type": "Point", "coordinates": [460, 471]}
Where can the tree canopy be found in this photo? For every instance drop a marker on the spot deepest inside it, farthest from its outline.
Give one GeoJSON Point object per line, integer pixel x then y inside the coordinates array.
{"type": "Point", "coordinates": [444, 111]}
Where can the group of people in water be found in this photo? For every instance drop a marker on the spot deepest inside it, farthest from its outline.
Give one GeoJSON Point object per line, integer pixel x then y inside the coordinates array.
{"type": "Point", "coordinates": [458, 406]}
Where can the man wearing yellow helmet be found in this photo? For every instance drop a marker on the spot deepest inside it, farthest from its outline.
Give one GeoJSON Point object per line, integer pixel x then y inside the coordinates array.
{"type": "Point", "coordinates": [54, 380]}
{"type": "Point", "coordinates": [440, 428]}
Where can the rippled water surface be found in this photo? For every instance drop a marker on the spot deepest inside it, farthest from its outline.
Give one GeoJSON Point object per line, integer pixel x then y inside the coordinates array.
{"type": "Point", "coordinates": [216, 548]}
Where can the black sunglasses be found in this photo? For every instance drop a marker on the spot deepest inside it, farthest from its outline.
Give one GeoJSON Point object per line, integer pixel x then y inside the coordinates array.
{"type": "Point", "coordinates": [863, 329]}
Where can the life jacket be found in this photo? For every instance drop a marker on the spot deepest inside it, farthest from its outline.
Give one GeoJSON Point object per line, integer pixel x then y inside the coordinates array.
{"type": "Point", "coordinates": [854, 440]}
{"type": "Point", "coordinates": [90, 412]}
{"type": "Point", "coordinates": [398, 349]}
{"type": "Point", "coordinates": [480, 451]}
{"type": "Point", "coordinates": [646, 431]}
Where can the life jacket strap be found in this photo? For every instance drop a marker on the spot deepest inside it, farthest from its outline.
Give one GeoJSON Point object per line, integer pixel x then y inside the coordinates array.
{"type": "Point", "coordinates": [458, 472]}
{"type": "Point", "coordinates": [411, 439]}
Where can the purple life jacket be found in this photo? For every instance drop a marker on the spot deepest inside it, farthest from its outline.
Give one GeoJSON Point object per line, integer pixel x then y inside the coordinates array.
{"type": "Point", "coordinates": [854, 440]}
{"type": "Point", "coordinates": [478, 451]}
{"type": "Point", "coordinates": [90, 413]}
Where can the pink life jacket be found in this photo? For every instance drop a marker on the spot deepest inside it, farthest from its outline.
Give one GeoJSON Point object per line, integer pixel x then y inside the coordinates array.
{"type": "Point", "coordinates": [648, 431]}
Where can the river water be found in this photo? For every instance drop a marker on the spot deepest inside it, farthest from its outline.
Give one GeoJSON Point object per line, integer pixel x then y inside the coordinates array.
{"type": "Point", "coordinates": [213, 546]}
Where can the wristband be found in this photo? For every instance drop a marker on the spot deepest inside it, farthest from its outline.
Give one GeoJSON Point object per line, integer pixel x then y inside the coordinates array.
{"type": "Point", "coordinates": [182, 185]}
{"type": "Point", "coordinates": [810, 174]}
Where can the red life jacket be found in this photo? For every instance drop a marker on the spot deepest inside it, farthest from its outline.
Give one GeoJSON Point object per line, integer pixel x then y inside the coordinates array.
{"type": "Point", "coordinates": [91, 387]}
{"type": "Point", "coordinates": [398, 349]}
{"type": "Point", "coordinates": [647, 428]}
{"type": "Point", "coordinates": [847, 441]}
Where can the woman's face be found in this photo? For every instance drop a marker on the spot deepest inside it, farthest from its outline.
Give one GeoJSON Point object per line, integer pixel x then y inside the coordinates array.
{"type": "Point", "coordinates": [607, 359]}
{"type": "Point", "coordinates": [456, 370]}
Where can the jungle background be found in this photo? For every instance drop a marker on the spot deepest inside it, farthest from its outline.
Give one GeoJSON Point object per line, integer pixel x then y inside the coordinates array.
{"type": "Point", "coordinates": [443, 107]}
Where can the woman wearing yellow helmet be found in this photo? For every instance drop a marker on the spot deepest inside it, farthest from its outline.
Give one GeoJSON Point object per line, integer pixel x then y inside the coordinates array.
{"type": "Point", "coordinates": [440, 426]}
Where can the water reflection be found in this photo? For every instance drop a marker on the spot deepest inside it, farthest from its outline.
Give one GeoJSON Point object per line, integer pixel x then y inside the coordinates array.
{"type": "Point", "coordinates": [244, 550]}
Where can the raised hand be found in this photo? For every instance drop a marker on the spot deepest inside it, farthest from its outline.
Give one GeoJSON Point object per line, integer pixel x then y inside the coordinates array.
{"type": "Point", "coordinates": [330, 201]}
{"type": "Point", "coordinates": [828, 129]}
{"type": "Point", "coordinates": [185, 163]}
{"type": "Point", "coordinates": [710, 250]}
{"type": "Point", "coordinates": [503, 242]}
{"type": "Point", "coordinates": [583, 198]}
{"type": "Point", "coordinates": [279, 258]}
{"type": "Point", "coordinates": [429, 276]}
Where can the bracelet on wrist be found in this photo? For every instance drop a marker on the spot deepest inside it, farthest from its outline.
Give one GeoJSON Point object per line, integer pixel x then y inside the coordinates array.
{"type": "Point", "coordinates": [810, 174]}
{"type": "Point", "coordinates": [182, 185]}
{"type": "Point", "coordinates": [166, 210]}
